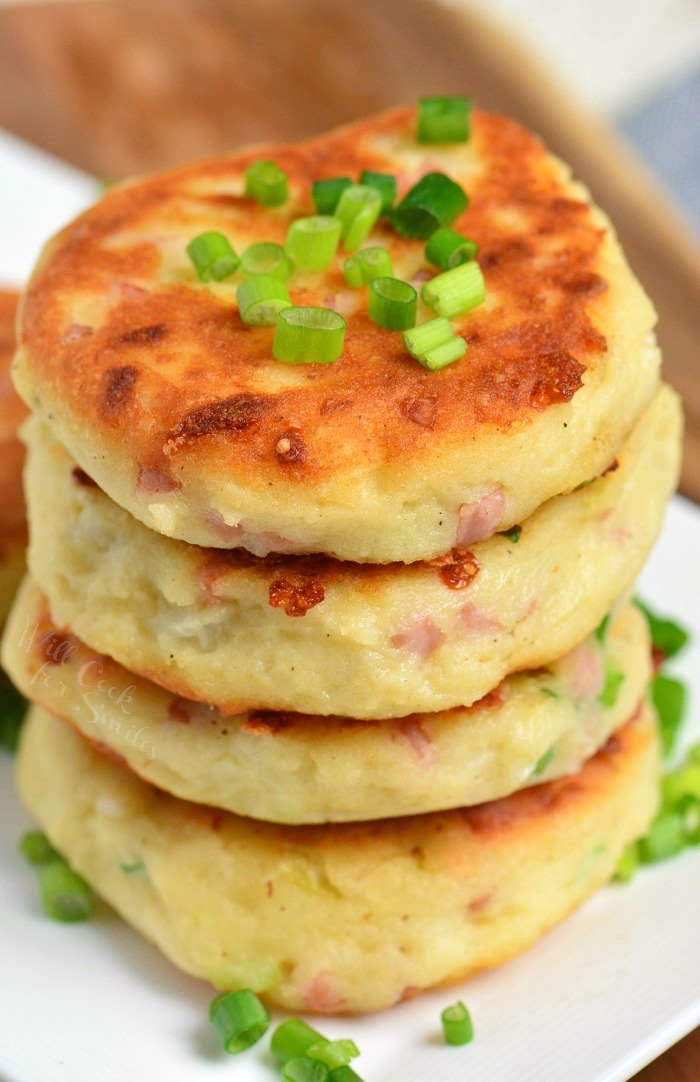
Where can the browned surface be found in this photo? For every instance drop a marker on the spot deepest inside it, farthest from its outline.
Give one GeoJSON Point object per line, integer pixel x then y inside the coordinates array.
{"type": "Point", "coordinates": [133, 86]}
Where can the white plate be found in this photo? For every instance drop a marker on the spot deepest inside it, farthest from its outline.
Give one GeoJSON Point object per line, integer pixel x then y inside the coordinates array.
{"type": "Point", "coordinates": [593, 1001]}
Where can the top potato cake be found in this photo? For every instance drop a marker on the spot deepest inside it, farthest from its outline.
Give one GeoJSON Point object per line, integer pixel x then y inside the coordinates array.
{"type": "Point", "coordinates": [179, 411]}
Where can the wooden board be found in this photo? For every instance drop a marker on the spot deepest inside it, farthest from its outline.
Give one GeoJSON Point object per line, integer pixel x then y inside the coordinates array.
{"type": "Point", "coordinates": [130, 86]}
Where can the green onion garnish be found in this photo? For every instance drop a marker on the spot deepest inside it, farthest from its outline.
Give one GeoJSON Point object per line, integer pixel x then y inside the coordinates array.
{"type": "Point", "coordinates": [385, 184]}
{"type": "Point", "coordinates": [311, 242]}
{"type": "Point", "coordinates": [261, 299]}
{"type": "Point", "coordinates": [366, 265]}
{"type": "Point", "coordinates": [602, 629]}
{"type": "Point", "coordinates": [682, 785]}
{"type": "Point", "coordinates": [443, 120]}
{"type": "Point", "coordinates": [304, 1069]}
{"type": "Point", "coordinates": [333, 1053]}
{"type": "Point", "coordinates": [447, 248]}
{"type": "Point", "coordinates": [455, 291]}
{"type": "Point", "coordinates": [344, 1074]}
{"type": "Point", "coordinates": [239, 1019]}
{"type": "Point", "coordinates": [457, 1024]}
{"type": "Point", "coordinates": [627, 864]}
{"type": "Point", "coordinates": [65, 896]}
{"type": "Point", "coordinates": [267, 258]}
{"type": "Point", "coordinates": [513, 534]}
{"type": "Point", "coordinates": [357, 211]}
{"type": "Point", "coordinates": [392, 303]}
{"type": "Point", "coordinates": [666, 635]}
{"type": "Point", "coordinates": [37, 848]}
{"type": "Point", "coordinates": [266, 182]}
{"type": "Point", "coordinates": [543, 762]}
{"type": "Point", "coordinates": [212, 256]}
{"type": "Point", "coordinates": [434, 201]}
{"type": "Point", "coordinates": [292, 1038]}
{"type": "Point", "coordinates": [326, 193]}
{"type": "Point", "coordinates": [13, 707]}
{"type": "Point", "coordinates": [434, 344]}
{"type": "Point", "coordinates": [308, 336]}
{"type": "Point", "coordinates": [611, 686]}
{"type": "Point", "coordinates": [666, 837]}
{"type": "Point", "coordinates": [669, 699]}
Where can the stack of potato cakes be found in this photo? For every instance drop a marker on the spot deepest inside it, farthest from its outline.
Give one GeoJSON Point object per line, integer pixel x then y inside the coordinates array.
{"type": "Point", "coordinates": [337, 692]}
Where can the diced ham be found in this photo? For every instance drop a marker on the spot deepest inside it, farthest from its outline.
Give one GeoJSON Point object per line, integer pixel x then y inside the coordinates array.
{"type": "Point", "coordinates": [149, 480]}
{"type": "Point", "coordinates": [479, 519]}
{"type": "Point", "coordinates": [412, 730]}
{"type": "Point", "coordinates": [421, 638]}
{"type": "Point", "coordinates": [260, 543]}
{"type": "Point", "coordinates": [321, 996]}
{"type": "Point", "coordinates": [472, 618]}
{"type": "Point", "coordinates": [587, 672]}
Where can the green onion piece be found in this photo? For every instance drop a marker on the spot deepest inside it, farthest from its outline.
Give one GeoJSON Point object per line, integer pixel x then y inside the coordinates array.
{"type": "Point", "coordinates": [455, 291]}
{"type": "Point", "coordinates": [627, 864]}
{"type": "Point", "coordinates": [669, 698]}
{"type": "Point", "coordinates": [550, 693]}
{"type": "Point", "coordinates": [611, 686]}
{"type": "Point", "coordinates": [266, 182]}
{"type": "Point", "coordinates": [666, 837]}
{"type": "Point", "coordinates": [366, 265]}
{"type": "Point", "coordinates": [602, 629]}
{"type": "Point", "coordinates": [693, 753]}
{"type": "Point", "coordinates": [357, 211]}
{"type": "Point", "coordinates": [267, 258]}
{"type": "Point", "coordinates": [333, 1053]}
{"type": "Point", "coordinates": [543, 762]}
{"type": "Point", "coordinates": [292, 1038]}
{"type": "Point", "coordinates": [308, 336]}
{"type": "Point", "coordinates": [326, 193]}
{"type": "Point", "coordinates": [239, 1019]}
{"type": "Point", "coordinates": [385, 184]}
{"type": "Point", "coordinates": [441, 356]}
{"type": "Point", "coordinates": [457, 1024]}
{"type": "Point", "coordinates": [681, 785]}
{"type": "Point", "coordinates": [311, 242]}
{"type": "Point", "coordinates": [443, 120]}
{"type": "Point", "coordinates": [427, 336]}
{"type": "Point", "coordinates": [304, 1069]}
{"type": "Point", "coordinates": [13, 707]}
{"type": "Point", "coordinates": [666, 635]}
{"type": "Point", "coordinates": [434, 201]}
{"type": "Point", "coordinates": [513, 534]}
{"type": "Point", "coordinates": [392, 303]}
{"type": "Point", "coordinates": [447, 248]}
{"type": "Point", "coordinates": [261, 299]}
{"type": "Point", "coordinates": [344, 1074]}
{"type": "Point", "coordinates": [65, 896]}
{"type": "Point", "coordinates": [212, 256]}
{"type": "Point", "coordinates": [37, 848]}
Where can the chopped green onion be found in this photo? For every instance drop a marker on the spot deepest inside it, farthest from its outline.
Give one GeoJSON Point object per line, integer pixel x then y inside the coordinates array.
{"type": "Point", "coordinates": [344, 1074]}
{"type": "Point", "coordinates": [666, 635]}
{"type": "Point", "coordinates": [681, 785]}
{"type": "Point", "coordinates": [292, 1038]}
{"type": "Point", "coordinates": [261, 299]}
{"type": "Point", "coordinates": [65, 896]}
{"type": "Point", "coordinates": [392, 303]}
{"type": "Point", "coordinates": [239, 1019]}
{"type": "Point", "coordinates": [304, 1069]}
{"type": "Point", "coordinates": [212, 256]}
{"type": "Point", "coordinates": [311, 242]}
{"type": "Point", "coordinates": [308, 336]}
{"type": "Point", "coordinates": [550, 693]}
{"type": "Point", "coordinates": [37, 848]}
{"type": "Point", "coordinates": [366, 265]}
{"type": "Point", "coordinates": [13, 707]}
{"type": "Point", "coordinates": [267, 258]}
{"type": "Point", "coordinates": [669, 698]}
{"type": "Point", "coordinates": [443, 120]}
{"type": "Point", "coordinates": [455, 291]}
{"type": "Point", "coordinates": [266, 182]}
{"type": "Point", "coordinates": [602, 629]}
{"type": "Point", "coordinates": [457, 1024]}
{"type": "Point", "coordinates": [693, 753]}
{"type": "Point", "coordinates": [611, 686]}
{"type": "Point", "coordinates": [385, 184]}
{"type": "Point", "coordinates": [326, 193]}
{"type": "Point", "coordinates": [447, 248]}
{"type": "Point", "coordinates": [543, 762]}
{"type": "Point", "coordinates": [357, 211]}
{"type": "Point", "coordinates": [333, 1053]}
{"type": "Point", "coordinates": [627, 864]}
{"type": "Point", "coordinates": [513, 534]}
{"type": "Point", "coordinates": [132, 867]}
{"type": "Point", "coordinates": [447, 353]}
{"type": "Point", "coordinates": [666, 837]}
{"type": "Point", "coordinates": [434, 201]}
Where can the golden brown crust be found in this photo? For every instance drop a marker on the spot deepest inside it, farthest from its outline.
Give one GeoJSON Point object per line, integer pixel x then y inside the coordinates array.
{"type": "Point", "coordinates": [176, 372]}
{"type": "Point", "coordinates": [12, 412]}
